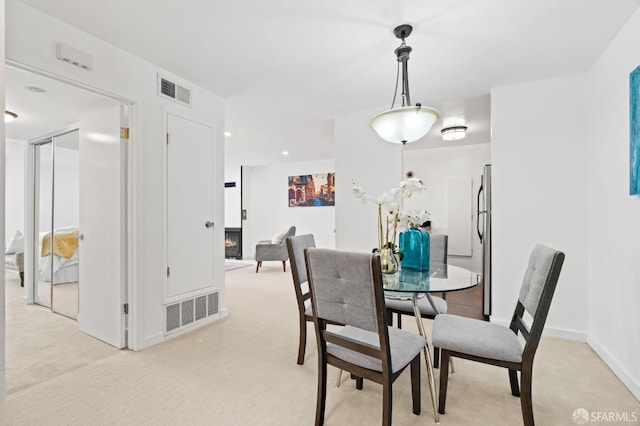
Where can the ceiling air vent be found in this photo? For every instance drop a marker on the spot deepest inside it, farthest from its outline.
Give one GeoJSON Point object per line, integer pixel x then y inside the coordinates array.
{"type": "Point", "coordinates": [175, 92]}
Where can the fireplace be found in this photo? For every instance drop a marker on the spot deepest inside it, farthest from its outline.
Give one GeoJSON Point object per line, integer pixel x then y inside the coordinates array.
{"type": "Point", "coordinates": [233, 243]}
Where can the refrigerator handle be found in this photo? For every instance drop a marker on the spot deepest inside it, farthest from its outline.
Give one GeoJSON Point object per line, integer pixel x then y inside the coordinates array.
{"type": "Point", "coordinates": [479, 212]}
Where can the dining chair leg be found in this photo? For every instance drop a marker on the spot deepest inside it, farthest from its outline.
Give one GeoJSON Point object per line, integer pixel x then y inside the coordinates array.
{"type": "Point", "coordinates": [258, 265]}
{"type": "Point", "coordinates": [284, 265]}
{"type": "Point", "coordinates": [339, 378]}
{"type": "Point", "coordinates": [436, 357]}
{"type": "Point", "coordinates": [525, 397]}
{"type": "Point", "coordinates": [513, 380]}
{"type": "Point", "coordinates": [322, 392]}
{"type": "Point", "coordinates": [387, 396]}
{"type": "Point", "coordinates": [302, 344]}
{"type": "Point", "coordinates": [415, 384]}
{"type": "Point", "coordinates": [444, 380]}
{"type": "Point", "coordinates": [359, 383]}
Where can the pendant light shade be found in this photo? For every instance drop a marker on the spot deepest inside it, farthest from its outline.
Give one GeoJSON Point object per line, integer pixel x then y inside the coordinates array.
{"type": "Point", "coordinates": [404, 125]}
{"type": "Point", "coordinates": [407, 123]}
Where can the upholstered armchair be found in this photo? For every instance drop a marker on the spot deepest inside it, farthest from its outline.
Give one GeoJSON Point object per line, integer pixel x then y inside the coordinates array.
{"type": "Point", "coordinates": [274, 249]}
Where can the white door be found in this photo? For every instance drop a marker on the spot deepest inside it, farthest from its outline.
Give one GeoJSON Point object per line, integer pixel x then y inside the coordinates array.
{"type": "Point", "coordinates": [102, 212]}
{"type": "Point", "coordinates": [190, 192]}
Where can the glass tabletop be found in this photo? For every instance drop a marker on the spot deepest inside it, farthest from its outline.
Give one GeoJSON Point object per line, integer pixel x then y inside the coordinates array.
{"type": "Point", "coordinates": [439, 278]}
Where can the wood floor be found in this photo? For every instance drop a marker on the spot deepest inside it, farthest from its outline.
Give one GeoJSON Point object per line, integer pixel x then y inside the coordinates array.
{"type": "Point", "coordinates": [466, 303]}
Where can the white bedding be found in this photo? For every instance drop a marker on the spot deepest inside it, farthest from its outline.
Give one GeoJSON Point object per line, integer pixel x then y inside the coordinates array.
{"type": "Point", "coordinates": [64, 270]}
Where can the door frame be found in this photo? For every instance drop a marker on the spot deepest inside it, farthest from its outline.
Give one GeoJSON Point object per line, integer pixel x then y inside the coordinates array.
{"type": "Point", "coordinates": [130, 225]}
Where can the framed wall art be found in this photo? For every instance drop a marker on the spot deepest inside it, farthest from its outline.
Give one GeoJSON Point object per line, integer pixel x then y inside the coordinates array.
{"type": "Point", "coordinates": [315, 190]}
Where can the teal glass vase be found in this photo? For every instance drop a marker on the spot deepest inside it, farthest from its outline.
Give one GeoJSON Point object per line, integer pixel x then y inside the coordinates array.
{"type": "Point", "coordinates": [415, 245]}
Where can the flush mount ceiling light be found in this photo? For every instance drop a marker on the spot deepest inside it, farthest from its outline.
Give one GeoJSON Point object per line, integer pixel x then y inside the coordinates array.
{"type": "Point", "coordinates": [35, 89]}
{"type": "Point", "coordinates": [407, 123]}
{"type": "Point", "coordinates": [454, 133]}
{"type": "Point", "coordinates": [9, 116]}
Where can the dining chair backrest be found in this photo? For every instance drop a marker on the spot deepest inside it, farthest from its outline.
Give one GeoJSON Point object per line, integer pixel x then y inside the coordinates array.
{"type": "Point", "coordinates": [296, 246]}
{"type": "Point", "coordinates": [439, 248]}
{"type": "Point", "coordinates": [538, 285]}
{"type": "Point", "coordinates": [346, 287]}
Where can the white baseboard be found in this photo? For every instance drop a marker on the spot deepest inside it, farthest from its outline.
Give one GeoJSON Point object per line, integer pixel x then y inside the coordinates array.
{"type": "Point", "coordinates": [632, 383]}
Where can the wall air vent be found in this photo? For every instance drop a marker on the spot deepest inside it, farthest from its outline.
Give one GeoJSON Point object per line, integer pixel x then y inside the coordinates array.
{"type": "Point", "coordinates": [171, 90]}
{"type": "Point", "coordinates": [181, 314]}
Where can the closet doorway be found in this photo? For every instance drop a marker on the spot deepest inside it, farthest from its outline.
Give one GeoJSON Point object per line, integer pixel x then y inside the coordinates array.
{"type": "Point", "coordinates": [56, 218]}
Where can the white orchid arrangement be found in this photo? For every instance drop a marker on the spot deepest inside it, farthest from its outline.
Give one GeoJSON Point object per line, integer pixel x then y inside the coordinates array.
{"type": "Point", "coordinates": [414, 218]}
{"type": "Point", "coordinates": [391, 203]}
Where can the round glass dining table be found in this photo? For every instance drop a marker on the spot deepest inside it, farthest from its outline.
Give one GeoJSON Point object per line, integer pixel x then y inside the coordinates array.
{"type": "Point", "coordinates": [411, 284]}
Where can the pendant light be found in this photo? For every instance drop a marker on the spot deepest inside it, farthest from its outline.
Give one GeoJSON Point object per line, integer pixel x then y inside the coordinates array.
{"type": "Point", "coordinates": [407, 123]}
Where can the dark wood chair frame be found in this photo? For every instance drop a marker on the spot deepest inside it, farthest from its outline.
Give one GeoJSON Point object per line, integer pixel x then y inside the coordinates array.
{"type": "Point", "coordinates": [301, 298]}
{"type": "Point", "coordinates": [532, 338]}
{"type": "Point", "coordinates": [385, 378]}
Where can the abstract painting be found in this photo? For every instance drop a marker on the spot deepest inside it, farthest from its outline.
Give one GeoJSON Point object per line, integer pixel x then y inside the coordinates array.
{"type": "Point", "coordinates": [634, 132]}
{"type": "Point", "coordinates": [312, 190]}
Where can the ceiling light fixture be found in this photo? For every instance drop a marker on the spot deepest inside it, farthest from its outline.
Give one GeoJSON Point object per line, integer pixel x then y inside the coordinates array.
{"type": "Point", "coordinates": [35, 89]}
{"type": "Point", "coordinates": [407, 123]}
{"type": "Point", "coordinates": [9, 116]}
{"type": "Point", "coordinates": [454, 133]}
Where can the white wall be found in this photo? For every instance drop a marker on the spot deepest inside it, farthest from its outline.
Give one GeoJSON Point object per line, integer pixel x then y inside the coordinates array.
{"type": "Point", "coordinates": [14, 189]}
{"type": "Point", "coordinates": [266, 193]}
{"type": "Point", "coordinates": [233, 197]}
{"type": "Point", "coordinates": [539, 170]}
{"type": "Point", "coordinates": [375, 165]}
{"type": "Point", "coordinates": [30, 39]}
{"type": "Point", "coordinates": [434, 166]}
{"type": "Point", "coordinates": [2, 209]}
{"type": "Point", "coordinates": [613, 216]}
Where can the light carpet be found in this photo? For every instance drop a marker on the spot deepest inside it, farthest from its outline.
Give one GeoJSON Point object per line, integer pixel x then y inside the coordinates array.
{"type": "Point", "coordinates": [242, 371]}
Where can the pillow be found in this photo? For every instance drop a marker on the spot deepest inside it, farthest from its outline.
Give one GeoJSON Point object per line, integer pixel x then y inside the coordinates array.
{"type": "Point", "coordinates": [279, 237]}
{"type": "Point", "coordinates": [16, 243]}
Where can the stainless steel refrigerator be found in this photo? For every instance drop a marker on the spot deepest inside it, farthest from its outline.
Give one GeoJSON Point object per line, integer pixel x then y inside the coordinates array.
{"type": "Point", "coordinates": [483, 224]}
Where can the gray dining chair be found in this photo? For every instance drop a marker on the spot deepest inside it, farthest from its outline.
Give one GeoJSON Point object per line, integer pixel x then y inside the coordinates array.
{"type": "Point", "coordinates": [489, 343]}
{"type": "Point", "coordinates": [295, 248]}
{"type": "Point", "coordinates": [346, 288]}
{"type": "Point", "coordinates": [402, 306]}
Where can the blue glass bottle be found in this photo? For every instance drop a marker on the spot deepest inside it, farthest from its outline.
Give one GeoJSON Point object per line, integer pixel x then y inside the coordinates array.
{"type": "Point", "coordinates": [415, 245]}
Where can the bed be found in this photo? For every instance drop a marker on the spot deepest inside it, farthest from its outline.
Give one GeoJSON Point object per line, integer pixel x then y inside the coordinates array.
{"type": "Point", "coordinates": [64, 258]}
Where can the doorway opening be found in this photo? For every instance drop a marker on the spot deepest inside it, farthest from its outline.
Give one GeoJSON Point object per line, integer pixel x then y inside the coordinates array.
{"type": "Point", "coordinates": [69, 148]}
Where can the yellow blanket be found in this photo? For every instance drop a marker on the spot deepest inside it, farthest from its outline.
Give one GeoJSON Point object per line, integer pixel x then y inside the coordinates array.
{"type": "Point", "coordinates": [65, 244]}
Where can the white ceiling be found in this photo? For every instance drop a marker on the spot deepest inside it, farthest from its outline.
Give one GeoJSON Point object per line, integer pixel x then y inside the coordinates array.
{"type": "Point", "coordinates": [287, 67]}
{"type": "Point", "coordinates": [59, 106]}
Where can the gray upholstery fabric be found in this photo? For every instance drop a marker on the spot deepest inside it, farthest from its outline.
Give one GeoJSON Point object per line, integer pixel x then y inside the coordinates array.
{"type": "Point", "coordinates": [267, 251]}
{"type": "Point", "coordinates": [405, 305]}
{"type": "Point", "coordinates": [403, 345]}
{"type": "Point", "coordinates": [342, 286]}
{"type": "Point", "coordinates": [535, 277]}
{"type": "Point", "coordinates": [438, 248]}
{"type": "Point", "coordinates": [298, 244]}
{"type": "Point", "coordinates": [15, 261]}
{"type": "Point", "coordinates": [475, 337]}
